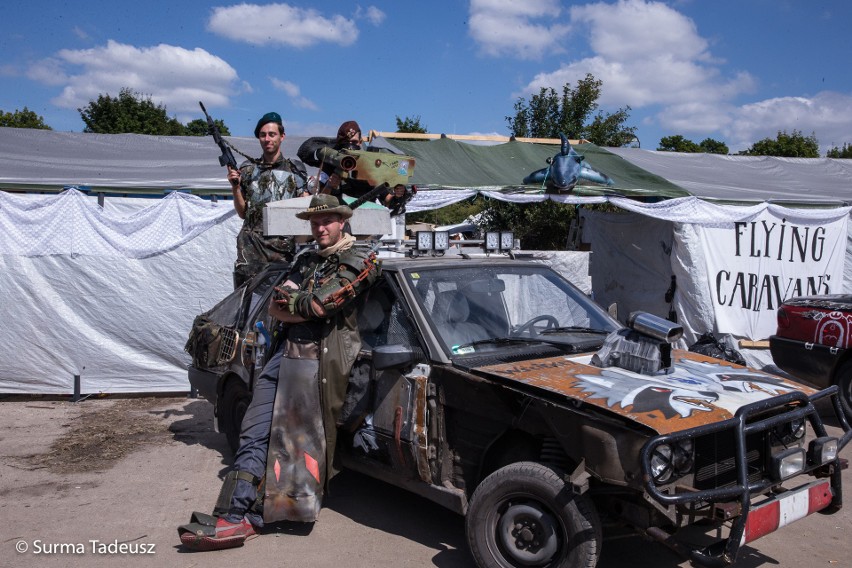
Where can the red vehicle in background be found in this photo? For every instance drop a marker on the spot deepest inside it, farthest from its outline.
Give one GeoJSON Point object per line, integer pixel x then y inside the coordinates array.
{"type": "Point", "coordinates": [813, 342]}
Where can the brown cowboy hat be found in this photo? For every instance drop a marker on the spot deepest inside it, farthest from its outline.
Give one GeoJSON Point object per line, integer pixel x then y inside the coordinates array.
{"type": "Point", "coordinates": [323, 203]}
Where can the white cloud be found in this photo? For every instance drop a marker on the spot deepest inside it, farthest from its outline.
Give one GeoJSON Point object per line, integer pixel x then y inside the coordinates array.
{"type": "Point", "coordinates": [47, 72]}
{"type": "Point", "coordinates": [173, 76]}
{"type": "Point", "coordinates": [372, 14]}
{"type": "Point", "coordinates": [80, 32]}
{"type": "Point", "coordinates": [281, 24]}
{"type": "Point", "coordinates": [526, 30]}
{"type": "Point", "coordinates": [294, 92]}
{"type": "Point", "coordinates": [646, 54]}
{"type": "Point", "coordinates": [827, 114]}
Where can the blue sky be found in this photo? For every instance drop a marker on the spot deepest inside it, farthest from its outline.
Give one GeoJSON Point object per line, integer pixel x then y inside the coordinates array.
{"type": "Point", "coordinates": [733, 71]}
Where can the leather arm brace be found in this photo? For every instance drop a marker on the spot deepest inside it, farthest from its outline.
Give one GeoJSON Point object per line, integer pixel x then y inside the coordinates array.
{"type": "Point", "coordinates": [336, 291]}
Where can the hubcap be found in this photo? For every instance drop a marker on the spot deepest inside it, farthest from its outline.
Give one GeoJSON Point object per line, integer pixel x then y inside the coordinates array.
{"type": "Point", "coordinates": [528, 534]}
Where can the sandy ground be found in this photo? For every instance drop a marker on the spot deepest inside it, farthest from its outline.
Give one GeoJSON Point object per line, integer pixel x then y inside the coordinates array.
{"type": "Point", "coordinates": [78, 480]}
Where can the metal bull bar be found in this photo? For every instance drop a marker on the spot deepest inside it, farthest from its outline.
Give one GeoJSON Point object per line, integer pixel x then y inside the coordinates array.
{"type": "Point", "coordinates": [725, 552]}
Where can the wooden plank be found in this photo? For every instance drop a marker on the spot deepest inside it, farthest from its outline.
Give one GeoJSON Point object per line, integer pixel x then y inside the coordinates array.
{"type": "Point", "coordinates": [421, 136]}
{"type": "Point", "coordinates": [749, 344]}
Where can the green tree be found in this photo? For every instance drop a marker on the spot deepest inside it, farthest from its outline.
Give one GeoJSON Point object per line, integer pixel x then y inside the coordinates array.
{"type": "Point", "coordinates": [129, 112]}
{"type": "Point", "coordinates": [845, 152]}
{"type": "Point", "coordinates": [711, 146]}
{"type": "Point", "coordinates": [410, 125]}
{"type": "Point", "coordinates": [547, 115]}
{"type": "Point", "coordinates": [449, 215]}
{"type": "Point", "coordinates": [609, 129]}
{"type": "Point", "coordinates": [793, 145]}
{"type": "Point", "coordinates": [541, 226]}
{"type": "Point", "coordinates": [198, 127]}
{"type": "Point", "coordinates": [22, 119]}
{"type": "Point", "coordinates": [677, 143]}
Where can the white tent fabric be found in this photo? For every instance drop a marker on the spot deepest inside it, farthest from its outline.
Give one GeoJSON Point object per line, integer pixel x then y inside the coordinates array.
{"type": "Point", "coordinates": [426, 199]}
{"type": "Point", "coordinates": [749, 178]}
{"type": "Point", "coordinates": [635, 256]}
{"type": "Point", "coordinates": [70, 223]}
{"type": "Point", "coordinates": [107, 294]}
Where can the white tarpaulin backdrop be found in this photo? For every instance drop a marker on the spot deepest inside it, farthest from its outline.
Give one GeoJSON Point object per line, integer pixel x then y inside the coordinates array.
{"type": "Point", "coordinates": [755, 265]}
{"type": "Point", "coordinates": [636, 256]}
{"type": "Point", "coordinates": [109, 293]}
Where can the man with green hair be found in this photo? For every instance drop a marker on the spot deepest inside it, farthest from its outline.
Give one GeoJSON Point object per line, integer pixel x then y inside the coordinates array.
{"type": "Point", "coordinates": [258, 182]}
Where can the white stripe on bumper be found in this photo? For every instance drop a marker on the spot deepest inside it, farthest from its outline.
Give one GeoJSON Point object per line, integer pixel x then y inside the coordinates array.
{"type": "Point", "coordinates": [786, 508]}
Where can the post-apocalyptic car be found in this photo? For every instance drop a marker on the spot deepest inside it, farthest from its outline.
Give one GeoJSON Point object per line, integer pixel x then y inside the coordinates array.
{"type": "Point", "coordinates": [813, 342]}
{"type": "Point", "coordinates": [496, 388]}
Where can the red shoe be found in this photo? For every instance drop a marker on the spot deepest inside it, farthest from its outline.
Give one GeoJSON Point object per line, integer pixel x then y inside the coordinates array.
{"type": "Point", "coordinates": [202, 537]}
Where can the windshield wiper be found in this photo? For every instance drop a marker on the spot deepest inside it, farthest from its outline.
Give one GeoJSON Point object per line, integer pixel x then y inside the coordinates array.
{"type": "Point", "coordinates": [497, 340]}
{"type": "Point", "coordinates": [566, 328]}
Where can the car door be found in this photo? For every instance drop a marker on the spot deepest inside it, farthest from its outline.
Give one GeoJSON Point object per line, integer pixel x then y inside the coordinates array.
{"type": "Point", "coordinates": [388, 410]}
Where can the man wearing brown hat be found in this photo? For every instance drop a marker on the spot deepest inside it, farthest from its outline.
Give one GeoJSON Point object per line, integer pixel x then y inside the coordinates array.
{"type": "Point", "coordinates": [290, 428]}
{"type": "Point", "coordinates": [258, 182]}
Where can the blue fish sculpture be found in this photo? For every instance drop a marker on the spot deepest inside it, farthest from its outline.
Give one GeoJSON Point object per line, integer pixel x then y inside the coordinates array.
{"type": "Point", "coordinates": [565, 170]}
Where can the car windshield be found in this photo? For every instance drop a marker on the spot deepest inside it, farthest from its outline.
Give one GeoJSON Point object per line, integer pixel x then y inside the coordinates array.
{"type": "Point", "coordinates": [477, 308]}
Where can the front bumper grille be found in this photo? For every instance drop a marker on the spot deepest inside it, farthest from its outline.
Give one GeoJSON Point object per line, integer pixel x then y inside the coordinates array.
{"type": "Point", "coordinates": [716, 461]}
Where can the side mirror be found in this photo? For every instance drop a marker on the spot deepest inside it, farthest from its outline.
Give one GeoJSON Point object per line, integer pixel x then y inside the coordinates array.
{"type": "Point", "coordinates": [613, 310]}
{"type": "Point", "coordinates": [392, 357]}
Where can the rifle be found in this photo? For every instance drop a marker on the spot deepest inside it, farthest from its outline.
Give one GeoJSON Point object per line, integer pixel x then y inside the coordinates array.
{"type": "Point", "coordinates": [227, 157]}
{"type": "Point", "coordinates": [369, 196]}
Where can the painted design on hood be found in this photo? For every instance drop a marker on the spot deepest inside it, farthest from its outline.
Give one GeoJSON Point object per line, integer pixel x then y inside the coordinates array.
{"type": "Point", "coordinates": [624, 390]}
{"type": "Point", "coordinates": [691, 386]}
{"type": "Point", "coordinates": [699, 390]}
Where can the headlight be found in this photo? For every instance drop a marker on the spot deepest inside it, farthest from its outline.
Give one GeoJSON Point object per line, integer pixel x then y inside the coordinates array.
{"type": "Point", "coordinates": [683, 460]}
{"type": "Point", "coordinates": [791, 432]}
{"type": "Point", "coordinates": [668, 461]}
{"type": "Point", "coordinates": [662, 465]}
{"type": "Point", "coordinates": [788, 463]}
{"type": "Point", "coordinates": [822, 450]}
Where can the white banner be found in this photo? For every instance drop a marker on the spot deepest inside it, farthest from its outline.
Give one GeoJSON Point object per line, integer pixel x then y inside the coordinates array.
{"type": "Point", "coordinates": [754, 264]}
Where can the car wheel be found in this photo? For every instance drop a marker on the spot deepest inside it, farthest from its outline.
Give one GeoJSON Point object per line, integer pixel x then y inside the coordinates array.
{"type": "Point", "coordinates": [524, 514]}
{"type": "Point", "coordinates": [232, 407]}
{"type": "Point", "coordinates": [843, 378]}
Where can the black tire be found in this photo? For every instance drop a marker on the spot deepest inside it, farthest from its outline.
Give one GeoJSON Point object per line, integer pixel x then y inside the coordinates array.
{"type": "Point", "coordinates": [525, 514]}
{"type": "Point", "coordinates": [232, 407]}
{"type": "Point", "coordinates": [843, 379]}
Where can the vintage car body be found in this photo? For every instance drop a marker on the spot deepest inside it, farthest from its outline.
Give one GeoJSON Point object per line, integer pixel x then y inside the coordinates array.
{"type": "Point", "coordinates": [497, 389]}
{"type": "Point", "coordinates": [813, 340]}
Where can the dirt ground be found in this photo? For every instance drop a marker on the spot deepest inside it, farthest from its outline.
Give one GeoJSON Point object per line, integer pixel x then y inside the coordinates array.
{"type": "Point", "coordinates": [79, 481]}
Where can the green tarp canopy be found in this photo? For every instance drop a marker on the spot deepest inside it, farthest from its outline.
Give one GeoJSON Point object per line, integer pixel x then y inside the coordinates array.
{"type": "Point", "coordinates": [449, 164]}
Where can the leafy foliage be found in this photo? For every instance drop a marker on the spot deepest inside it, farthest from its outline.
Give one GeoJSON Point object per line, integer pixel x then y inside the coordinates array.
{"type": "Point", "coordinates": [198, 127]}
{"type": "Point", "coordinates": [609, 130]}
{"type": "Point", "coordinates": [678, 143]}
{"type": "Point", "coordinates": [845, 152]}
{"type": "Point", "coordinates": [129, 112]}
{"type": "Point", "coordinates": [547, 115]}
{"type": "Point", "coordinates": [793, 145]}
{"type": "Point", "coordinates": [540, 226]}
{"type": "Point", "coordinates": [449, 215]}
{"type": "Point", "coordinates": [410, 125]}
{"type": "Point", "coordinates": [711, 146]}
{"type": "Point", "coordinates": [23, 119]}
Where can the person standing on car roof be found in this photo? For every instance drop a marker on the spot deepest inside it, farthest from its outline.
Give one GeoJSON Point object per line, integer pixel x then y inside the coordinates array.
{"type": "Point", "coordinates": [258, 182]}
{"type": "Point", "coordinates": [290, 428]}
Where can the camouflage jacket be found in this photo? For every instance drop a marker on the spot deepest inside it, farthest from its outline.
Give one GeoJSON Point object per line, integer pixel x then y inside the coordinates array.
{"type": "Point", "coordinates": [261, 184]}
